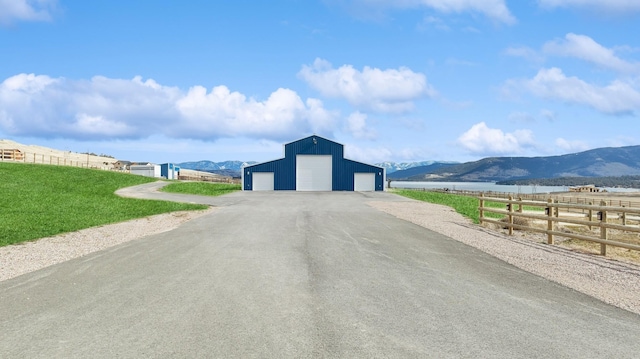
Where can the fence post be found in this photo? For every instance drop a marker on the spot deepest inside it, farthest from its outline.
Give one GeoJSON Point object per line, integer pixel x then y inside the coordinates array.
{"type": "Point", "coordinates": [510, 209]}
{"type": "Point", "coordinates": [520, 204]}
{"type": "Point", "coordinates": [481, 208]}
{"type": "Point", "coordinates": [624, 217]}
{"type": "Point", "coordinates": [549, 211]}
{"type": "Point", "coordinates": [603, 229]}
{"type": "Point", "coordinates": [590, 215]}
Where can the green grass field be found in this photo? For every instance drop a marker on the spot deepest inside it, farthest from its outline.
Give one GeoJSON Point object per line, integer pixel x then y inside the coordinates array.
{"type": "Point", "coordinates": [41, 200]}
{"type": "Point", "coordinates": [201, 188]}
{"type": "Point", "coordinates": [466, 206]}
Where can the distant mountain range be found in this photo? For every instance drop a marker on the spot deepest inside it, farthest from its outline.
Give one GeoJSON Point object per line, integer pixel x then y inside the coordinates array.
{"type": "Point", "coordinates": [232, 168]}
{"type": "Point", "coordinates": [226, 168]}
{"type": "Point", "coordinates": [419, 170]}
{"type": "Point", "coordinates": [392, 167]}
{"type": "Point", "coordinates": [600, 162]}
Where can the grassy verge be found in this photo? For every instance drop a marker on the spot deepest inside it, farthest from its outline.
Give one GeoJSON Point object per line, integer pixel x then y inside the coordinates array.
{"type": "Point", "coordinates": [41, 200]}
{"type": "Point", "coordinates": [466, 206]}
{"type": "Point", "coordinates": [201, 188]}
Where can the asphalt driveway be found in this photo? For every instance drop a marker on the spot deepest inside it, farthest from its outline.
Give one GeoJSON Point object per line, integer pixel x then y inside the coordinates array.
{"type": "Point", "coordinates": [301, 275]}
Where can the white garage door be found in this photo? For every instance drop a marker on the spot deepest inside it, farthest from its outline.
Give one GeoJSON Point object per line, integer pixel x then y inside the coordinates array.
{"type": "Point", "coordinates": [364, 182]}
{"type": "Point", "coordinates": [314, 173]}
{"type": "Point", "coordinates": [263, 181]}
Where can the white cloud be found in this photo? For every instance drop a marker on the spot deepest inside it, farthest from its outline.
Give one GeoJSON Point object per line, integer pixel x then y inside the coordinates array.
{"type": "Point", "coordinates": [571, 146]}
{"type": "Point", "coordinates": [451, 61]}
{"type": "Point", "coordinates": [482, 140]}
{"type": "Point", "coordinates": [585, 48]}
{"type": "Point", "coordinates": [494, 9]}
{"type": "Point", "coordinates": [616, 98]}
{"type": "Point", "coordinates": [391, 90]}
{"type": "Point", "coordinates": [98, 125]}
{"type": "Point", "coordinates": [357, 126]}
{"type": "Point", "coordinates": [611, 6]}
{"type": "Point", "coordinates": [525, 52]}
{"type": "Point", "coordinates": [380, 154]}
{"type": "Point", "coordinates": [432, 21]}
{"type": "Point", "coordinates": [521, 117]}
{"type": "Point", "coordinates": [621, 141]}
{"type": "Point", "coordinates": [25, 10]}
{"type": "Point", "coordinates": [369, 154]}
{"type": "Point", "coordinates": [548, 115]}
{"type": "Point", "coordinates": [222, 113]}
{"type": "Point", "coordinates": [103, 108]}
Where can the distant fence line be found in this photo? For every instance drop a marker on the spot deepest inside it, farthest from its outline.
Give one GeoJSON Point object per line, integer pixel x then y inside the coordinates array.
{"type": "Point", "coordinates": [560, 197]}
{"type": "Point", "coordinates": [205, 178]}
{"type": "Point", "coordinates": [612, 222]}
{"type": "Point", "coordinates": [13, 155]}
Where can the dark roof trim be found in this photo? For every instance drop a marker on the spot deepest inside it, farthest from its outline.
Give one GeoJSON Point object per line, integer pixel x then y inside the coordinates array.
{"type": "Point", "coordinates": [304, 138]}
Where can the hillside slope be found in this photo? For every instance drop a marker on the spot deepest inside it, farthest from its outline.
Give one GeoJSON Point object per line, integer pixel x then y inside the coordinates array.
{"type": "Point", "coordinates": [601, 162]}
{"type": "Point", "coordinates": [417, 171]}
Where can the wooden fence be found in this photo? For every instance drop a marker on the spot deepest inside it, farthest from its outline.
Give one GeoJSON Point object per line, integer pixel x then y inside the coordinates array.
{"type": "Point", "coordinates": [78, 160]}
{"type": "Point", "coordinates": [557, 196]}
{"type": "Point", "coordinates": [11, 155]}
{"type": "Point", "coordinates": [605, 218]}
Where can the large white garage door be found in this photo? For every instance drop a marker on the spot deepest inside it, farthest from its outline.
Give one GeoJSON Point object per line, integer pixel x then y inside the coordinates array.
{"type": "Point", "coordinates": [263, 181]}
{"type": "Point", "coordinates": [314, 173]}
{"type": "Point", "coordinates": [364, 182]}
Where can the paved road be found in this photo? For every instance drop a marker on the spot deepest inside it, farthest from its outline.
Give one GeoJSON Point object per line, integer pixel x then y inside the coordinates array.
{"type": "Point", "coordinates": [301, 275]}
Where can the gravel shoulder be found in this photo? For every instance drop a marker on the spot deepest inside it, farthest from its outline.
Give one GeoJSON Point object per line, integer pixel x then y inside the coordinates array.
{"type": "Point", "coordinates": [30, 256]}
{"type": "Point", "coordinates": [615, 283]}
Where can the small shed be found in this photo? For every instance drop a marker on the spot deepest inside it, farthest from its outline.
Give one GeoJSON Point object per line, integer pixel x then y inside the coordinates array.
{"type": "Point", "coordinates": [588, 188]}
{"type": "Point", "coordinates": [313, 163]}
{"type": "Point", "coordinates": [147, 170]}
{"type": "Point", "coordinates": [168, 171]}
{"type": "Point", "coordinates": [121, 165]}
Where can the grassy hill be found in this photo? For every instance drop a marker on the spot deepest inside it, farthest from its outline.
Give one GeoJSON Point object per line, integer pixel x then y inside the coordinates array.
{"type": "Point", "coordinates": [419, 170]}
{"type": "Point", "coordinates": [41, 200]}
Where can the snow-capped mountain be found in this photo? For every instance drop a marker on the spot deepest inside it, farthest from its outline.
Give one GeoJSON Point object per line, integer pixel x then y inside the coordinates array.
{"type": "Point", "coordinates": [391, 167]}
{"type": "Point", "coordinates": [235, 166]}
{"type": "Point", "coordinates": [211, 166]}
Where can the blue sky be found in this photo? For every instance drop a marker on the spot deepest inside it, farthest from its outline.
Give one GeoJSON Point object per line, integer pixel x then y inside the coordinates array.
{"type": "Point", "coordinates": [393, 80]}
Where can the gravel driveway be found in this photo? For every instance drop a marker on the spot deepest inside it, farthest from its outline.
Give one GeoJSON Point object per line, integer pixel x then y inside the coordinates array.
{"type": "Point", "coordinates": [613, 282]}
{"type": "Point", "coordinates": [307, 275]}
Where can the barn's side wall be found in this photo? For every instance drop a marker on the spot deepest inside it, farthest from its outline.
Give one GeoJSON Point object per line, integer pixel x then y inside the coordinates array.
{"type": "Point", "coordinates": [343, 176]}
{"type": "Point", "coordinates": [278, 167]}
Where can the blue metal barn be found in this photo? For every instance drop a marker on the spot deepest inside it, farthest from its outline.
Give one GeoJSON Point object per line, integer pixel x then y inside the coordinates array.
{"type": "Point", "coordinates": [167, 170]}
{"type": "Point", "coordinates": [313, 163]}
